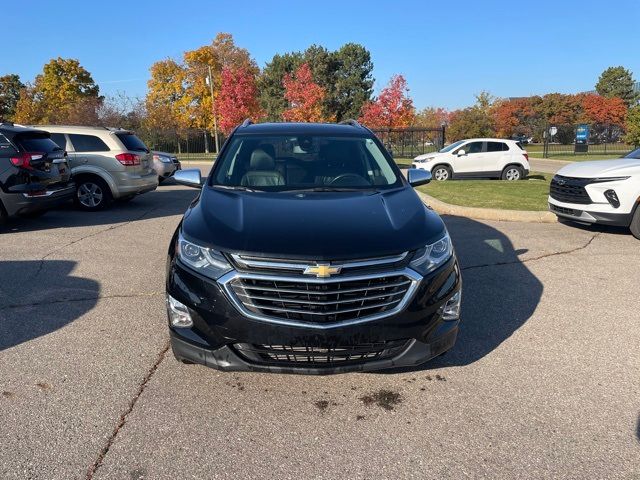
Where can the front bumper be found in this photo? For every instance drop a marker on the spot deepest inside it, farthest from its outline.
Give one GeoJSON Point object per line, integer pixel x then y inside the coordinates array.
{"type": "Point", "coordinates": [19, 203]}
{"type": "Point", "coordinates": [164, 169]}
{"type": "Point", "coordinates": [591, 213]}
{"type": "Point", "coordinates": [219, 328]}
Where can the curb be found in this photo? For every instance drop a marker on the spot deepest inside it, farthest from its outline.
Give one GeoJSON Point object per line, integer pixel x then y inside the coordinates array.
{"type": "Point", "coordinates": [487, 213]}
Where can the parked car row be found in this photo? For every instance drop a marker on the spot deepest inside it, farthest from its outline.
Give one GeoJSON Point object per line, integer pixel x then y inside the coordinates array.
{"type": "Point", "coordinates": [43, 166]}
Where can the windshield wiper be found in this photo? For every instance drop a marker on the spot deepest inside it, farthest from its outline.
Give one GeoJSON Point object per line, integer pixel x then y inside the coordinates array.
{"type": "Point", "coordinates": [330, 189]}
{"type": "Point", "coordinates": [237, 187]}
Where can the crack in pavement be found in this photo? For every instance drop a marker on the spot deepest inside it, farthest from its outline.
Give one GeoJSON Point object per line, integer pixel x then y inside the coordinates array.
{"type": "Point", "coordinates": [83, 299]}
{"type": "Point", "coordinates": [123, 417]}
{"type": "Point", "coordinates": [533, 259]}
{"type": "Point", "coordinates": [109, 228]}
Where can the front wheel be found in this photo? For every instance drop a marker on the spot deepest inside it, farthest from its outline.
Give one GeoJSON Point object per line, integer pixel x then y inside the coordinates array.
{"type": "Point", "coordinates": [441, 173]}
{"type": "Point", "coordinates": [512, 172]}
{"type": "Point", "coordinates": [92, 194]}
{"type": "Point", "coordinates": [635, 223]}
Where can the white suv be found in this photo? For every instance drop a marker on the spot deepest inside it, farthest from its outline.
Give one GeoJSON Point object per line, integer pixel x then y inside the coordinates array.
{"type": "Point", "coordinates": [477, 158]}
{"type": "Point", "coordinates": [606, 191]}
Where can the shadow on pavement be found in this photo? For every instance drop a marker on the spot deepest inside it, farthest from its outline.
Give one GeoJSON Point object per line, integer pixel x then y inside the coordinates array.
{"type": "Point", "coordinates": [162, 202]}
{"type": "Point", "coordinates": [28, 311]}
{"type": "Point", "coordinates": [496, 299]}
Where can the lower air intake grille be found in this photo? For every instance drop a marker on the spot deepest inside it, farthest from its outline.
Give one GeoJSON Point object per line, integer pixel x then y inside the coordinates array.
{"type": "Point", "coordinates": [307, 301]}
{"type": "Point", "coordinates": [319, 356]}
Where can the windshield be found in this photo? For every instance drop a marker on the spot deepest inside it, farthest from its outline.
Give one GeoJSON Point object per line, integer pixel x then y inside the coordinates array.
{"type": "Point", "coordinates": [452, 146]}
{"type": "Point", "coordinates": [304, 162]}
{"type": "Point", "coordinates": [634, 154]}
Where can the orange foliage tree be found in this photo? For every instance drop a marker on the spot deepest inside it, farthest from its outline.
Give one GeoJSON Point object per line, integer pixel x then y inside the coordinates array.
{"type": "Point", "coordinates": [392, 109]}
{"type": "Point", "coordinates": [598, 109]}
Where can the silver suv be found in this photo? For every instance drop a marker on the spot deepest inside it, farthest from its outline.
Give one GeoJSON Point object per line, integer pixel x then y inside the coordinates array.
{"type": "Point", "coordinates": [106, 163]}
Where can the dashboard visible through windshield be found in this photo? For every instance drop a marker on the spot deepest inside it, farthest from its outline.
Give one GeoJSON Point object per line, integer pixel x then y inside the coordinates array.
{"type": "Point", "coordinates": [304, 162]}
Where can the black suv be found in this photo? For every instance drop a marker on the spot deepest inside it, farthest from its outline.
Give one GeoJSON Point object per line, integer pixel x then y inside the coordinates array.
{"type": "Point", "coordinates": [34, 174]}
{"type": "Point", "coordinates": [307, 251]}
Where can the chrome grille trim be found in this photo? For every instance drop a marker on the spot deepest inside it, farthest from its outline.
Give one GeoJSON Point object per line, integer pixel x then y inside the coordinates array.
{"type": "Point", "coordinates": [413, 280]}
{"type": "Point", "coordinates": [251, 262]}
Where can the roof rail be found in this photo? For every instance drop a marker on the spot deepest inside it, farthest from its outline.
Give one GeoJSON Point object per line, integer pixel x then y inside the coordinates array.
{"type": "Point", "coordinates": [247, 122]}
{"type": "Point", "coordinates": [351, 121]}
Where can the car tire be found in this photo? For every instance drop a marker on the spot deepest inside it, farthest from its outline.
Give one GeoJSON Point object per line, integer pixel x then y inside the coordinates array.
{"type": "Point", "coordinates": [92, 194]}
{"type": "Point", "coordinates": [441, 173]}
{"type": "Point", "coordinates": [512, 172]}
{"type": "Point", "coordinates": [161, 179]}
{"type": "Point", "coordinates": [3, 215]}
{"type": "Point", "coordinates": [635, 223]}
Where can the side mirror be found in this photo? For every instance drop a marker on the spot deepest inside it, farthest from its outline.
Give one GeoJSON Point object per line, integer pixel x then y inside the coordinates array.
{"type": "Point", "coordinates": [190, 177]}
{"type": "Point", "coordinates": [417, 177]}
{"type": "Point", "coordinates": [461, 152]}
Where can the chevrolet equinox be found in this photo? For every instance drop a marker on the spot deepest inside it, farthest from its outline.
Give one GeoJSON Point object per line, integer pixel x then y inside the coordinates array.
{"type": "Point", "coordinates": [307, 251]}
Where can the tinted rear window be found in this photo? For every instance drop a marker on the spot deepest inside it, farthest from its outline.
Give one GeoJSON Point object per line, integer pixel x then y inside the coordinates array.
{"type": "Point", "coordinates": [87, 143]}
{"type": "Point", "coordinates": [60, 139]}
{"type": "Point", "coordinates": [36, 142]}
{"type": "Point", "coordinates": [497, 147]}
{"type": "Point", "coordinates": [131, 142]}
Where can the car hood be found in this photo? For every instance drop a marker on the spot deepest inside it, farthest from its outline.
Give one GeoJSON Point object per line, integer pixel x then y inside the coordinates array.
{"type": "Point", "coordinates": [425, 156]}
{"type": "Point", "coordinates": [318, 225]}
{"type": "Point", "coordinates": [602, 168]}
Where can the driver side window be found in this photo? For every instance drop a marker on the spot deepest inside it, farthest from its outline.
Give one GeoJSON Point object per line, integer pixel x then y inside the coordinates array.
{"type": "Point", "coordinates": [473, 147]}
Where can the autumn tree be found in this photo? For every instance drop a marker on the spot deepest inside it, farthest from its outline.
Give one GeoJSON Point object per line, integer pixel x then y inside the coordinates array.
{"type": "Point", "coordinates": [633, 126]}
{"type": "Point", "coordinates": [238, 97]}
{"type": "Point", "coordinates": [517, 117]}
{"type": "Point", "coordinates": [304, 97]}
{"type": "Point", "coordinates": [475, 121]}
{"type": "Point", "coordinates": [167, 106]}
{"type": "Point", "coordinates": [64, 92]}
{"type": "Point", "coordinates": [431, 117]}
{"type": "Point", "coordinates": [597, 109]}
{"type": "Point", "coordinates": [393, 108]}
{"type": "Point", "coordinates": [617, 82]}
{"type": "Point", "coordinates": [344, 74]}
{"type": "Point", "coordinates": [10, 87]}
{"type": "Point", "coordinates": [270, 84]}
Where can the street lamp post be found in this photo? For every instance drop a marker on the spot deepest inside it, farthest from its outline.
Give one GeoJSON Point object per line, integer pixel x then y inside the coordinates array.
{"type": "Point", "coordinates": [213, 111]}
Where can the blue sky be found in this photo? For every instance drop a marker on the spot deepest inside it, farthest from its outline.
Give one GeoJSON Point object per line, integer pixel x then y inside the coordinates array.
{"type": "Point", "coordinates": [447, 50]}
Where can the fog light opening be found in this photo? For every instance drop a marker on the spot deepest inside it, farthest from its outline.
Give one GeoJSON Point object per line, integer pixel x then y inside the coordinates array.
{"type": "Point", "coordinates": [179, 315]}
{"type": "Point", "coordinates": [612, 198]}
{"type": "Point", "coordinates": [451, 309]}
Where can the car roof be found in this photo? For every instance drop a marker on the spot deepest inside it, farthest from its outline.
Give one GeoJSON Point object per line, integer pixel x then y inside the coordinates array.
{"type": "Point", "coordinates": [67, 128]}
{"type": "Point", "coordinates": [487, 139]}
{"type": "Point", "coordinates": [292, 128]}
{"type": "Point", "coordinates": [13, 129]}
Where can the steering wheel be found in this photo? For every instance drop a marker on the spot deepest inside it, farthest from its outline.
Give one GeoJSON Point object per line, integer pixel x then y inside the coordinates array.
{"type": "Point", "coordinates": [359, 181]}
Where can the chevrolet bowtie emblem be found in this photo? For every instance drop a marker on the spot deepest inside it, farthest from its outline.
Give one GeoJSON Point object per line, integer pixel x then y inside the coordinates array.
{"type": "Point", "coordinates": [322, 270]}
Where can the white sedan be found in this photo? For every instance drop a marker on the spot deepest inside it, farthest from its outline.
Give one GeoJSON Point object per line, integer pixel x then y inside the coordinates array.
{"type": "Point", "coordinates": [477, 158]}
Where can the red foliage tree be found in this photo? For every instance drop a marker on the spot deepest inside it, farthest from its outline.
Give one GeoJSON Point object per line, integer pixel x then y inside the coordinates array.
{"type": "Point", "coordinates": [305, 97]}
{"type": "Point", "coordinates": [516, 116]}
{"type": "Point", "coordinates": [238, 98]}
{"type": "Point", "coordinates": [599, 109]}
{"type": "Point", "coordinates": [392, 109]}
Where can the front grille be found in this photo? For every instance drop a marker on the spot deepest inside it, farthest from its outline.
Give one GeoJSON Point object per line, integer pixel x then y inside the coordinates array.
{"type": "Point", "coordinates": [566, 211]}
{"type": "Point", "coordinates": [310, 355]}
{"type": "Point", "coordinates": [570, 189]}
{"type": "Point", "coordinates": [305, 300]}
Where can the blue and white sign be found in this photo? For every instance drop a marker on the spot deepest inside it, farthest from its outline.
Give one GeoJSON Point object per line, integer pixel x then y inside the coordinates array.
{"type": "Point", "coordinates": [582, 133]}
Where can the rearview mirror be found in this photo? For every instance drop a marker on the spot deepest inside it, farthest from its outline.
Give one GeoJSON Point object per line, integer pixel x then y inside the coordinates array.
{"type": "Point", "coordinates": [190, 177]}
{"type": "Point", "coordinates": [417, 177]}
{"type": "Point", "coordinates": [461, 152]}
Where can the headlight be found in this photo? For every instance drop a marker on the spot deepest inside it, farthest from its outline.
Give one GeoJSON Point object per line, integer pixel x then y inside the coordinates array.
{"type": "Point", "coordinates": [206, 261]}
{"type": "Point", "coordinates": [162, 158]}
{"type": "Point", "coordinates": [432, 256]}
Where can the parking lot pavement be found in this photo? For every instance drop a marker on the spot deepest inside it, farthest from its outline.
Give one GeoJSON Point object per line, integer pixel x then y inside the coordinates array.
{"type": "Point", "coordinates": [543, 381]}
{"type": "Point", "coordinates": [546, 165]}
